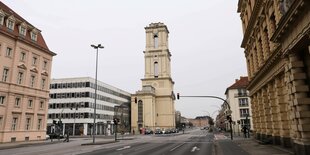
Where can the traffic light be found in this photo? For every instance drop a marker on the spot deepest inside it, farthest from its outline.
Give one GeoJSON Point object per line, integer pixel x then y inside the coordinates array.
{"type": "Point", "coordinates": [178, 96]}
{"type": "Point", "coordinates": [228, 117]}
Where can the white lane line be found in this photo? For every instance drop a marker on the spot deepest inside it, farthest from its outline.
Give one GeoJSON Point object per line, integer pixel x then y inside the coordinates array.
{"type": "Point", "coordinates": [177, 147]}
{"type": "Point", "coordinates": [195, 148]}
{"type": "Point", "coordinates": [123, 148]}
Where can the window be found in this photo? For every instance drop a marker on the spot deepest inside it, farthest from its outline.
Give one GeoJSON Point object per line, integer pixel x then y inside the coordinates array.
{"type": "Point", "coordinates": [39, 123]}
{"type": "Point", "coordinates": [8, 52]}
{"type": "Point", "coordinates": [20, 77]}
{"type": "Point", "coordinates": [30, 102]}
{"type": "Point", "coordinates": [243, 102]}
{"type": "Point", "coordinates": [33, 36]}
{"type": "Point", "coordinates": [32, 80]}
{"type": "Point", "coordinates": [28, 123]}
{"type": "Point", "coordinates": [2, 100]}
{"type": "Point", "coordinates": [5, 74]}
{"type": "Point", "coordinates": [17, 101]}
{"type": "Point", "coordinates": [22, 56]}
{"type": "Point", "coordinates": [156, 71]}
{"type": "Point", "coordinates": [43, 83]}
{"type": "Point", "coordinates": [244, 112]}
{"type": "Point", "coordinates": [44, 65]}
{"type": "Point", "coordinates": [140, 111]}
{"type": "Point", "coordinates": [155, 41]}
{"type": "Point", "coordinates": [1, 18]}
{"type": "Point", "coordinates": [34, 60]}
{"type": "Point", "coordinates": [41, 104]}
{"type": "Point", "coordinates": [22, 30]}
{"type": "Point", "coordinates": [10, 24]}
{"type": "Point", "coordinates": [1, 120]}
{"type": "Point", "coordinates": [14, 123]}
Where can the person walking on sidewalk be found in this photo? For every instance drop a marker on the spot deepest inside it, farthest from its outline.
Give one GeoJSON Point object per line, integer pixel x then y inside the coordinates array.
{"type": "Point", "coordinates": [245, 131]}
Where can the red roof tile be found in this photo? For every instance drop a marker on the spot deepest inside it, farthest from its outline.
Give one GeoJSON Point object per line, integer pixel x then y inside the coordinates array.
{"type": "Point", "coordinates": [239, 83]}
{"type": "Point", "coordinates": [40, 43]}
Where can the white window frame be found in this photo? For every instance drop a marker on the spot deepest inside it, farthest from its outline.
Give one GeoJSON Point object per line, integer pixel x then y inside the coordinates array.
{"type": "Point", "coordinates": [22, 30]}
{"type": "Point", "coordinates": [34, 36]}
{"type": "Point", "coordinates": [40, 120]}
{"type": "Point", "coordinates": [42, 105]}
{"type": "Point", "coordinates": [28, 123]}
{"type": "Point", "coordinates": [32, 81]}
{"type": "Point", "coordinates": [20, 76]}
{"type": "Point", "coordinates": [43, 83]}
{"type": "Point", "coordinates": [34, 60]}
{"type": "Point", "coordinates": [22, 56]}
{"type": "Point", "coordinates": [17, 101]}
{"type": "Point", "coordinates": [8, 52]}
{"type": "Point", "coordinates": [10, 24]}
{"type": "Point", "coordinates": [14, 123]}
{"type": "Point", "coordinates": [5, 74]}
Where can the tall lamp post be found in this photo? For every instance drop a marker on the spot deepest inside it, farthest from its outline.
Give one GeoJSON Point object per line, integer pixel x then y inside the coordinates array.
{"type": "Point", "coordinates": [94, 125]}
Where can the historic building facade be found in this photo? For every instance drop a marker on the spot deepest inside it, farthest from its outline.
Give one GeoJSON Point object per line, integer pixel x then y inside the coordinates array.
{"type": "Point", "coordinates": [25, 69]}
{"type": "Point", "coordinates": [153, 106]}
{"type": "Point", "coordinates": [72, 103]}
{"type": "Point", "coordinates": [277, 46]}
{"type": "Point", "coordinates": [240, 104]}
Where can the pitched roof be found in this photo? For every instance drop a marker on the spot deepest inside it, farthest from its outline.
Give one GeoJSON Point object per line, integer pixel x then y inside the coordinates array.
{"type": "Point", "coordinates": [40, 43]}
{"type": "Point", "coordinates": [239, 83]}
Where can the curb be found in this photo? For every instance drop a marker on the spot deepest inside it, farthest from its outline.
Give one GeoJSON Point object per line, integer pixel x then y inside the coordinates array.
{"type": "Point", "coordinates": [100, 143]}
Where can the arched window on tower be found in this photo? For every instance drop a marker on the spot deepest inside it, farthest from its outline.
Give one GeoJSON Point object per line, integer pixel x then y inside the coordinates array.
{"type": "Point", "coordinates": [155, 41]}
{"type": "Point", "coordinates": [140, 111]}
{"type": "Point", "coordinates": [156, 71]}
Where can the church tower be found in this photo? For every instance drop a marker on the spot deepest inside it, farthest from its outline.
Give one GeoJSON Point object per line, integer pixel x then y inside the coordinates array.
{"type": "Point", "coordinates": [153, 106]}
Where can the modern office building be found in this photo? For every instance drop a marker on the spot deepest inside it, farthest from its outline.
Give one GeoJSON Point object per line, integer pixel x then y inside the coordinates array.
{"type": "Point", "coordinates": [276, 44]}
{"type": "Point", "coordinates": [25, 70]}
{"type": "Point", "coordinates": [153, 106]}
{"type": "Point", "coordinates": [240, 105]}
{"type": "Point", "coordinates": [72, 102]}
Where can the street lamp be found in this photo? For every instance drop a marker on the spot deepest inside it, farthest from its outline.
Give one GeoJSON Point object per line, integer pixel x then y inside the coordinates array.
{"type": "Point", "coordinates": [94, 125]}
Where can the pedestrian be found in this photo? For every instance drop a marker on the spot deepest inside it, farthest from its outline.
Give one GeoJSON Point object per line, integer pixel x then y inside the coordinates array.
{"type": "Point", "coordinates": [244, 130]}
{"type": "Point", "coordinates": [133, 132]}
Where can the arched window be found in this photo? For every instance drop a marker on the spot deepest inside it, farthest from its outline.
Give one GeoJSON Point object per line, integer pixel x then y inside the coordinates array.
{"type": "Point", "coordinates": [155, 41]}
{"type": "Point", "coordinates": [156, 71]}
{"type": "Point", "coordinates": [140, 111]}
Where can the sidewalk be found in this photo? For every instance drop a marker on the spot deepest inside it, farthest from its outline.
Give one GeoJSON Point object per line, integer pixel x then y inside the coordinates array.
{"type": "Point", "coordinates": [253, 147]}
{"type": "Point", "coordinates": [100, 139]}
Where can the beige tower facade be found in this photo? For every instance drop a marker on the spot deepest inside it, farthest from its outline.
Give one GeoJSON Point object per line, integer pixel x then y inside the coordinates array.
{"type": "Point", "coordinates": [25, 72]}
{"type": "Point", "coordinates": [276, 44]}
{"type": "Point", "coordinates": [153, 106]}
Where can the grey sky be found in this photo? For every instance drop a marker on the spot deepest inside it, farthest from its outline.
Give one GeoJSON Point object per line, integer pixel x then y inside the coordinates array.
{"type": "Point", "coordinates": [204, 40]}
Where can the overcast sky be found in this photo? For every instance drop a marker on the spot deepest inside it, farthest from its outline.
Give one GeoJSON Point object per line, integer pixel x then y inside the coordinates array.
{"type": "Point", "coordinates": [204, 40]}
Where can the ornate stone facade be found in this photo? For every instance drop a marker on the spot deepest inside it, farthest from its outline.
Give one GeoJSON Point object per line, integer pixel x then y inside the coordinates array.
{"type": "Point", "coordinates": [153, 106]}
{"type": "Point", "coordinates": [25, 72]}
{"type": "Point", "coordinates": [277, 49]}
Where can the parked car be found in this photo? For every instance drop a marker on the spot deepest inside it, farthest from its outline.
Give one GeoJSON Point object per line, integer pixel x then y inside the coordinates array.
{"type": "Point", "coordinates": [55, 136]}
{"type": "Point", "coordinates": [148, 131]}
{"type": "Point", "coordinates": [166, 131]}
{"type": "Point", "coordinates": [158, 131]}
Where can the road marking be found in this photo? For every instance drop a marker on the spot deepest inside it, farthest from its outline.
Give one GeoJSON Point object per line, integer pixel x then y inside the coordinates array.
{"type": "Point", "coordinates": [195, 148]}
{"type": "Point", "coordinates": [123, 148]}
{"type": "Point", "coordinates": [176, 147]}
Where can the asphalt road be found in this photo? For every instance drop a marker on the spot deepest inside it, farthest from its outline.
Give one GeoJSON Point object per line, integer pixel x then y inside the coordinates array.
{"type": "Point", "coordinates": [196, 142]}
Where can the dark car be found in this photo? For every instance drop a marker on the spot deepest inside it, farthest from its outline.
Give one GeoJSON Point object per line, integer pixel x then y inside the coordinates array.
{"type": "Point", "coordinates": [158, 131]}
{"type": "Point", "coordinates": [56, 136]}
{"type": "Point", "coordinates": [148, 131]}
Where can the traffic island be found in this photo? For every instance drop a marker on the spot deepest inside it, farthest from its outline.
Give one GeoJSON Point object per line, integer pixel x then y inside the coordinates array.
{"type": "Point", "coordinates": [100, 143]}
